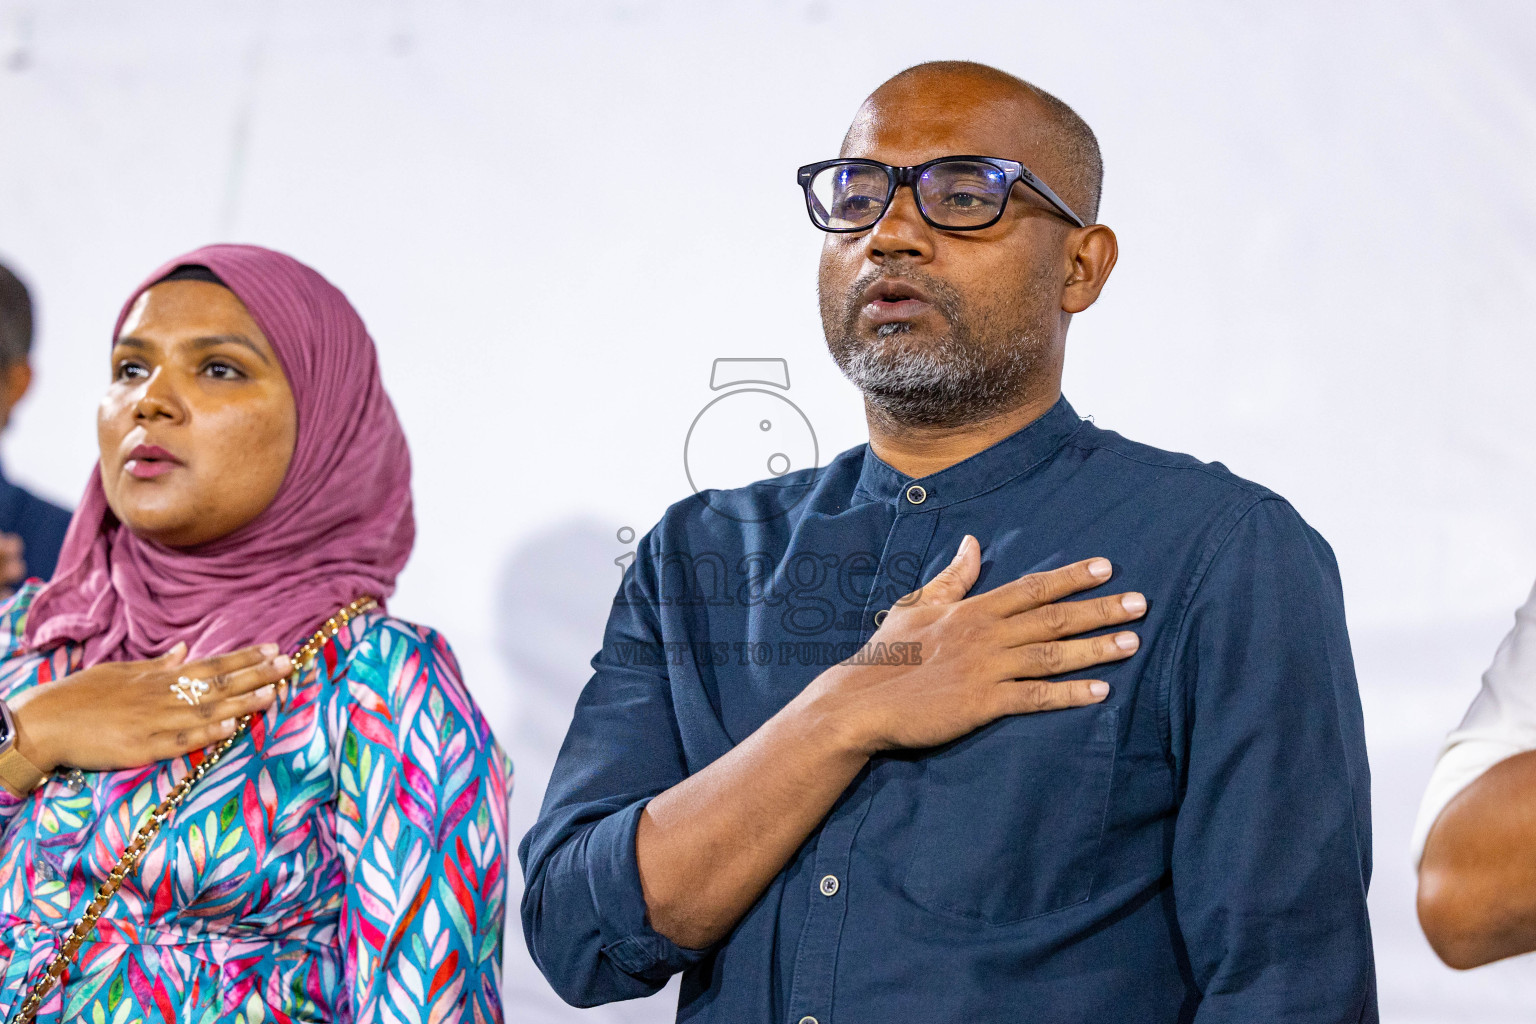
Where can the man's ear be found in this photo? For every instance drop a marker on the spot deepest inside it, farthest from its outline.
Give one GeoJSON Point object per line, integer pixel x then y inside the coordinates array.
{"type": "Point", "coordinates": [15, 379]}
{"type": "Point", "coordinates": [1092, 253]}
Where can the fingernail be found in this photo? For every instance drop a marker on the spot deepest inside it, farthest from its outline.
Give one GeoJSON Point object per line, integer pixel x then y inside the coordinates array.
{"type": "Point", "coordinates": [1099, 689]}
{"type": "Point", "coordinates": [265, 691]}
{"type": "Point", "coordinates": [960, 551]}
{"type": "Point", "coordinates": [269, 649]}
{"type": "Point", "coordinates": [282, 663]}
{"type": "Point", "coordinates": [228, 725]}
{"type": "Point", "coordinates": [1100, 567]}
{"type": "Point", "coordinates": [1134, 603]}
{"type": "Point", "coordinates": [1127, 641]}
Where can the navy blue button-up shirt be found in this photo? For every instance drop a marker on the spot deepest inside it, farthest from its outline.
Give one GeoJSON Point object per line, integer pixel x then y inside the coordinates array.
{"type": "Point", "coordinates": [40, 524]}
{"type": "Point", "coordinates": [1195, 848]}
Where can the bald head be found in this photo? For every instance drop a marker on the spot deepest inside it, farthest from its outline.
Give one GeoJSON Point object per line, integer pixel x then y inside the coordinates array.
{"type": "Point", "coordinates": [1043, 133]}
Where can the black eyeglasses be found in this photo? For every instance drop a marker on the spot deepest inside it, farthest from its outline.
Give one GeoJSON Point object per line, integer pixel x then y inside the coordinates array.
{"type": "Point", "coordinates": [954, 193]}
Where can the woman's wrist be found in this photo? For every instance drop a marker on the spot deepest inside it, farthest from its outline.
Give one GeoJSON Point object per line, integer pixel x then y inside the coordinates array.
{"type": "Point", "coordinates": [30, 711]}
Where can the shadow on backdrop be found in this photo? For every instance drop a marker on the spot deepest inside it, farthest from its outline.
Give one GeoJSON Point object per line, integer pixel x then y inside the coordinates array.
{"type": "Point", "coordinates": [553, 593]}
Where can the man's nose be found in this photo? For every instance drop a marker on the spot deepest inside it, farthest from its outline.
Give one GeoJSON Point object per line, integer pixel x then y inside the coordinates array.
{"type": "Point", "coordinates": [900, 232]}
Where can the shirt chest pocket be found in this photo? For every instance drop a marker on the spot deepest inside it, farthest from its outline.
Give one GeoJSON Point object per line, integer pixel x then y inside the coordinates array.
{"type": "Point", "coordinates": [1008, 821]}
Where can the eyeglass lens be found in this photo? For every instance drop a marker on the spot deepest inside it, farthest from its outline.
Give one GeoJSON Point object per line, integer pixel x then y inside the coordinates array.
{"type": "Point", "coordinates": [953, 193]}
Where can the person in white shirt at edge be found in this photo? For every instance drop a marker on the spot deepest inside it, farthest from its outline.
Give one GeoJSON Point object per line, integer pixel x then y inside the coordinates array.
{"type": "Point", "coordinates": [1476, 833]}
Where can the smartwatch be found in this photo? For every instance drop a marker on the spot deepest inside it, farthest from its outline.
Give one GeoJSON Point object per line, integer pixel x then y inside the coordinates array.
{"type": "Point", "coordinates": [17, 774]}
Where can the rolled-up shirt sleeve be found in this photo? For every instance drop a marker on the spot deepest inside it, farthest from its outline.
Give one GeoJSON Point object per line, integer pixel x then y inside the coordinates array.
{"type": "Point", "coordinates": [1272, 849]}
{"type": "Point", "coordinates": [584, 914]}
{"type": "Point", "coordinates": [1500, 724]}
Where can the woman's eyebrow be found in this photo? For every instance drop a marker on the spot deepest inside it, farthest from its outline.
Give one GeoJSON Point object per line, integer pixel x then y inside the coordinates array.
{"type": "Point", "coordinates": [212, 341]}
{"type": "Point", "coordinates": [215, 340]}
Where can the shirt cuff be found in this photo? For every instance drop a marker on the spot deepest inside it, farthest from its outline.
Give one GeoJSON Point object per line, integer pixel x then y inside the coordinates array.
{"type": "Point", "coordinates": [1462, 763]}
{"type": "Point", "coordinates": [614, 874]}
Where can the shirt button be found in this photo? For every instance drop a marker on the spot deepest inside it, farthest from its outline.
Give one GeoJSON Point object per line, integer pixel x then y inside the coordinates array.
{"type": "Point", "coordinates": [881, 614]}
{"type": "Point", "coordinates": [829, 885]}
{"type": "Point", "coordinates": [916, 494]}
{"type": "Point", "coordinates": [808, 1020]}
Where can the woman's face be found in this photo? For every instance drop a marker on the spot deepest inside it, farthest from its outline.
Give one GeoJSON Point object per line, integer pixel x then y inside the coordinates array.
{"type": "Point", "coordinates": [198, 425]}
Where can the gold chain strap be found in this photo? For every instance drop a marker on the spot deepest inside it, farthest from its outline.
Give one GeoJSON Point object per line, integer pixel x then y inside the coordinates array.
{"type": "Point", "coordinates": [83, 929]}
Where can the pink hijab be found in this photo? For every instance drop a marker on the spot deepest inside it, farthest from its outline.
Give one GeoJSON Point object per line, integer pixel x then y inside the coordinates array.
{"type": "Point", "coordinates": [340, 527]}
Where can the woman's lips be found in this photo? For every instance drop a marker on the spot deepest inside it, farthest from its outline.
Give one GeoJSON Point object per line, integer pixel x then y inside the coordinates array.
{"type": "Point", "coordinates": [148, 469]}
{"type": "Point", "coordinates": [148, 461]}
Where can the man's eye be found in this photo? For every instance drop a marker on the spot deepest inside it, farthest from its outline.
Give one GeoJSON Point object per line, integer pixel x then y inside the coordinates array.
{"type": "Point", "coordinates": [857, 203]}
{"type": "Point", "coordinates": [966, 201]}
{"type": "Point", "coordinates": [129, 371]}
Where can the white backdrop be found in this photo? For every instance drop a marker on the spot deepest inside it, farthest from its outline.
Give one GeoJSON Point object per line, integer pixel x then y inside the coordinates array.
{"type": "Point", "coordinates": [1328, 279]}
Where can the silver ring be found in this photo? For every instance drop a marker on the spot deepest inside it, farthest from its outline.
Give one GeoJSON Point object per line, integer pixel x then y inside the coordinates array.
{"type": "Point", "coordinates": [189, 689]}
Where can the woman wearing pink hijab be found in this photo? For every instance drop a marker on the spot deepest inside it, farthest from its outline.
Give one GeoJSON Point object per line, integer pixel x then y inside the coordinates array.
{"type": "Point", "coordinates": [233, 787]}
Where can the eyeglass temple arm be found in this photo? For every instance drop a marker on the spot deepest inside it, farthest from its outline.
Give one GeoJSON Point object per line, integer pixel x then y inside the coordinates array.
{"type": "Point", "coordinates": [1044, 190]}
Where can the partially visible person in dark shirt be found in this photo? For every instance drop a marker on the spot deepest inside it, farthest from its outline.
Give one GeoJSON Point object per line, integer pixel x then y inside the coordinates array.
{"type": "Point", "coordinates": [837, 763]}
{"type": "Point", "coordinates": [31, 529]}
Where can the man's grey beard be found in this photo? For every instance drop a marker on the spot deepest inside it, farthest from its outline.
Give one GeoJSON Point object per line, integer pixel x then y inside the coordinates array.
{"type": "Point", "coordinates": [971, 372]}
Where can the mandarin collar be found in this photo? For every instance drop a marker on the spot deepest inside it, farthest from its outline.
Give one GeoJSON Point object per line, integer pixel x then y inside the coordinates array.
{"type": "Point", "coordinates": [988, 469]}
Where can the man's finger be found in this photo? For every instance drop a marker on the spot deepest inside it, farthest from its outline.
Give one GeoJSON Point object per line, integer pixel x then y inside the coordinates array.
{"type": "Point", "coordinates": [1071, 618]}
{"type": "Point", "coordinates": [1058, 656]}
{"type": "Point", "coordinates": [1027, 696]}
{"type": "Point", "coordinates": [13, 570]}
{"type": "Point", "coordinates": [954, 581]}
{"type": "Point", "coordinates": [13, 562]}
{"type": "Point", "coordinates": [1042, 588]}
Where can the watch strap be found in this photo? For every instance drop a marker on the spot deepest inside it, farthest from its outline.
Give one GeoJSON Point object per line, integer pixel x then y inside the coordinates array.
{"type": "Point", "coordinates": [17, 774]}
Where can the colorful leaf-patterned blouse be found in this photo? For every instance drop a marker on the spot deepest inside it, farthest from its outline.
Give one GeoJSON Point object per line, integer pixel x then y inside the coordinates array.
{"type": "Point", "coordinates": [345, 862]}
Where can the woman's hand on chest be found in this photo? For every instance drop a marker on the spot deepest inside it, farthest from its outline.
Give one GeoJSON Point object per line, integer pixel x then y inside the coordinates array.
{"type": "Point", "coordinates": [127, 714]}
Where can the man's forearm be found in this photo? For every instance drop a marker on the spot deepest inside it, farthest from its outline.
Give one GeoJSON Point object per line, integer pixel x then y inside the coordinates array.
{"type": "Point", "coordinates": [709, 846]}
{"type": "Point", "coordinates": [1477, 881]}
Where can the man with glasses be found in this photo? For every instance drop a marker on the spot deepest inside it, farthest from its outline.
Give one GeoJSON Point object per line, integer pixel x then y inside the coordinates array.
{"type": "Point", "coordinates": [855, 750]}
